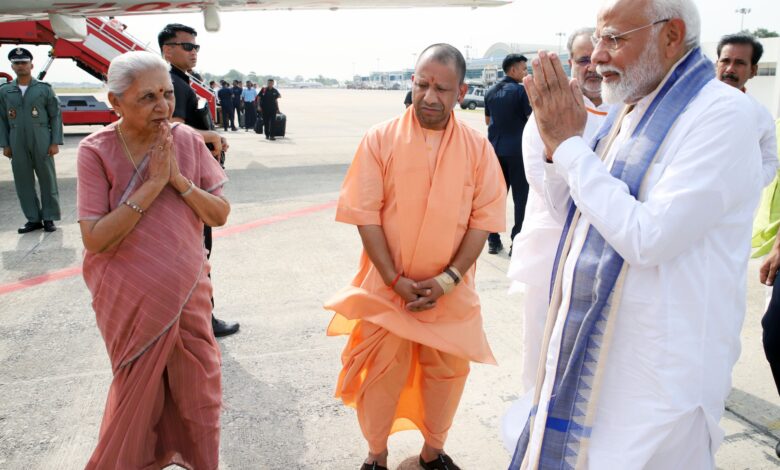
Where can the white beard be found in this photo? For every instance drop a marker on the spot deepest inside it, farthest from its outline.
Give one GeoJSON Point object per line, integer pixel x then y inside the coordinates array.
{"type": "Point", "coordinates": [634, 80]}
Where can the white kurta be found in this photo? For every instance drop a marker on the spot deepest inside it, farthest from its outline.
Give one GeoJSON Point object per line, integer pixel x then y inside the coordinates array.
{"type": "Point", "coordinates": [686, 241]}
{"type": "Point", "coordinates": [535, 246]}
{"type": "Point", "coordinates": [767, 140]}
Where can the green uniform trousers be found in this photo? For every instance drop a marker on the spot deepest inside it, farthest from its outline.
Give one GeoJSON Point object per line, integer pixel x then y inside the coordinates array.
{"type": "Point", "coordinates": [30, 148]}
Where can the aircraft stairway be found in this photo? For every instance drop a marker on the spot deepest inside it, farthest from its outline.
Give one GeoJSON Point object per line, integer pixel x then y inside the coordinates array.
{"type": "Point", "coordinates": [105, 40]}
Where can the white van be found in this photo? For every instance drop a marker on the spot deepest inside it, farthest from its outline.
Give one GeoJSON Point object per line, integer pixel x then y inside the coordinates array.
{"type": "Point", "coordinates": [475, 98]}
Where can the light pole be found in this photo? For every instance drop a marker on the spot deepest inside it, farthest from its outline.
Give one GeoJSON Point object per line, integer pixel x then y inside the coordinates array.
{"type": "Point", "coordinates": [742, 12]}
{"type": "Point", "coordinates": [560, 39]}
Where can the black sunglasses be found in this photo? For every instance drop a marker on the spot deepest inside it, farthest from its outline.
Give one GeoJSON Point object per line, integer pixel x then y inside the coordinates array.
{"type": "Point", "coordinates": [187, 46]}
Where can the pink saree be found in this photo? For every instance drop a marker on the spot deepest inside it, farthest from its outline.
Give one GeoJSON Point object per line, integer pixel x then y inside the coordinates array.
{"type": "Point", "coordinates": [151, 296]}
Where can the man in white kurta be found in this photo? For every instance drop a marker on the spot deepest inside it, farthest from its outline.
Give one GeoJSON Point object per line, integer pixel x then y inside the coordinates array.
{"type": "Point", "coordinates": [738, 56]}
{"type": "Point", "coordinates": [532, 258]}
{"type": "Point", "coordinates": [685, 242]}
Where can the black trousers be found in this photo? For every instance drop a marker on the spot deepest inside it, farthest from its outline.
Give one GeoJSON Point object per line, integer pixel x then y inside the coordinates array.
{"type": "Point", "coordinates": [771, 338]}
{"type": "Point", "coordinates": [517, 184]}
{"type": "Point", "coordinates": [228, 117]}
{"type": "Point", "coordinates": [250, 115]}
{"type": "Point", "coordinates": [269, 116]}
{"type": "Point", "coordinates": [207, 244]}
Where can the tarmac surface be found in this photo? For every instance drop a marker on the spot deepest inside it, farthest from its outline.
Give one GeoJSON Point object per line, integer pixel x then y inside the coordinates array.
{"type": "Point", "coordinates": [278, 259]}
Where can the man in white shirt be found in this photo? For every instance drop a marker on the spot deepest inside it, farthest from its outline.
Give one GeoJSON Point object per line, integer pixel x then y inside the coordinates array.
{"type": "Point", "coordinates": [650, 283]}
{"type": "Point", "coordinates": [532, 259]}
{"type": "Point", "coordinates": [738, 56]}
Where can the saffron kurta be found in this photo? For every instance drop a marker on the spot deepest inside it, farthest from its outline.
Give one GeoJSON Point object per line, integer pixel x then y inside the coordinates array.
{"type": "Point", "coordinates": [424, 210]}
{"type": "Point", "coordinates": [151, 297]}
{"type": "Point", "coordinates": [685, 241]}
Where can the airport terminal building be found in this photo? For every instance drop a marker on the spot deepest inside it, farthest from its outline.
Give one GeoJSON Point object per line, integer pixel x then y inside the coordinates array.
{"type": "Point", "coordinates": [483, 71]}
{"type": "Point", "coordinates": [486, 70]}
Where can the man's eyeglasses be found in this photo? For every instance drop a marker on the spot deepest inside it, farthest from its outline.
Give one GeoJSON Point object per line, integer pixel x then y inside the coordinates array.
{"type": "Point", "coordinates": [611, 40]}
{"type": "Point", "coordinates": [583, 61]}
{"type": "Point", "coordinates": [187, 46]}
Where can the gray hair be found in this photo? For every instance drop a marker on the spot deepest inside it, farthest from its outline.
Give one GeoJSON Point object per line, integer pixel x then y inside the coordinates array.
{"type": "Point", "coordinates": [125, 68]}
{"type": "Point", "coordinates": [577, 33]}
{"type": "Point", "coordinates": [683, 9]}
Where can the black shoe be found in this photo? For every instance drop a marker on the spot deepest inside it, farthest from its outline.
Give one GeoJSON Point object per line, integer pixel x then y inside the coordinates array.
{"type": "Point", "coordinates": [48, 226]}
{"type": "Point", "coordinates": [267, 138]}
{"type": "Point", "coordinates": [777, 449]}
{"type": "Point", "coordinates": [222, 328]}
{"type": "Point", "coordinates": [442, 462]}
{"type": "Point", "coordinates": [272, 138]}
{"type": "Point", "coordinates": [30, 227]}
{"type": "Point", "coordinates": [494, 247]}
{"type": "Point", "coordinates": [233, 129]}
{"type": "Point", "coordinates": [372, 466]}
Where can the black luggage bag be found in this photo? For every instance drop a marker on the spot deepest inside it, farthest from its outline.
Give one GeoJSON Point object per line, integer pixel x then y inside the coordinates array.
{"type": "Point", "coordinates": [259, 124]}
{"type": "Point", "coordinates": [280, 125]}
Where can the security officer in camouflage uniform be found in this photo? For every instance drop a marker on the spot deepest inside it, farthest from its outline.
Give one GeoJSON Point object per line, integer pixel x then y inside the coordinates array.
{"type": "Point", "coordinates": [30, 133]}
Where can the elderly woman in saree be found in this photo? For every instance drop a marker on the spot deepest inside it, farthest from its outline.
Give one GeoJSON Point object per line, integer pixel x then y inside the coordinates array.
{"type": "Point", "coordinates": [145, 189]}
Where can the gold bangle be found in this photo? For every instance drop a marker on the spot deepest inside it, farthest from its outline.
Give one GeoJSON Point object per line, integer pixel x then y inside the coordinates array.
{"type": "Point", "coordinates": [135, 207]}
{"type": "Point", "coordinates": [189, 190]}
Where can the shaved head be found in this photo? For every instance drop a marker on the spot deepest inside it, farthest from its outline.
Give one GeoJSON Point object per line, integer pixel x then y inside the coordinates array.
{"type": "Point", "coordinates": [445, 54]}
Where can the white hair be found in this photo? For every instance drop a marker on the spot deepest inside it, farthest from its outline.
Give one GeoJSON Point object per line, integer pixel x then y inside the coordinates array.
{"type": "Point", "coordinates": [125, 68]}
{"type": "Point", "coordinates": [577, 33]}
{"type": "Point", "coordinates": [683, 9]}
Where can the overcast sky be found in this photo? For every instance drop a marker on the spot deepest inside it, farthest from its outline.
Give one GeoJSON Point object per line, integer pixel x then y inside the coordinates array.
{"type": "Point", "coordinates": [339, 43]}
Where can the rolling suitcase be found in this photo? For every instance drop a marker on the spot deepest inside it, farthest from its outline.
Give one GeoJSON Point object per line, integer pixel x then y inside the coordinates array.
{"type": "Point", "coordinates": [259, 124]}
{"type": "Point", "coordinates": [280, 125]}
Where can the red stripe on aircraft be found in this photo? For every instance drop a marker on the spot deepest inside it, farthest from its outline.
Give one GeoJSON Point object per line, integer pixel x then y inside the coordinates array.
{"type": "Point", "coordinates": [225, 232]}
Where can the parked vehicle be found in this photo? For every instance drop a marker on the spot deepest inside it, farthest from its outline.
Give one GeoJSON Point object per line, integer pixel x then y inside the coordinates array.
{"type": "Point", "coordinates": [475, 98]}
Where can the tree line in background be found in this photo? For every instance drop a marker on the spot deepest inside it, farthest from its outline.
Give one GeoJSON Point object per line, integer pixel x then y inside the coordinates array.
{"type": "Point", "coordinates": [761, 33]}
{"type": "Point", "coordinates": [234, 74]}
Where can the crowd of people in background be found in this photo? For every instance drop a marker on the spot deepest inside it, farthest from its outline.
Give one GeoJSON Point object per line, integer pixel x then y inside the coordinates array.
{"type": "Point", "coordinates": [249, 107]}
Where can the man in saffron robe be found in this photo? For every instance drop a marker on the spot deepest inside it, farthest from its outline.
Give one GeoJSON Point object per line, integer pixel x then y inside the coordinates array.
{"type": "Point", "coordinates": [650, 278]}
{"type": "Point", "coordinates": [425, 191]}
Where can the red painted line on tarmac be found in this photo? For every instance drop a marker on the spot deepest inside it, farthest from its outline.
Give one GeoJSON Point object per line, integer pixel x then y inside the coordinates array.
{"type": "Point", "coordinates": [38, 280]}
{"type": "Point", "coordinates": [227, 231]}
{"type": "Point", "coordinates": [76, 270]}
